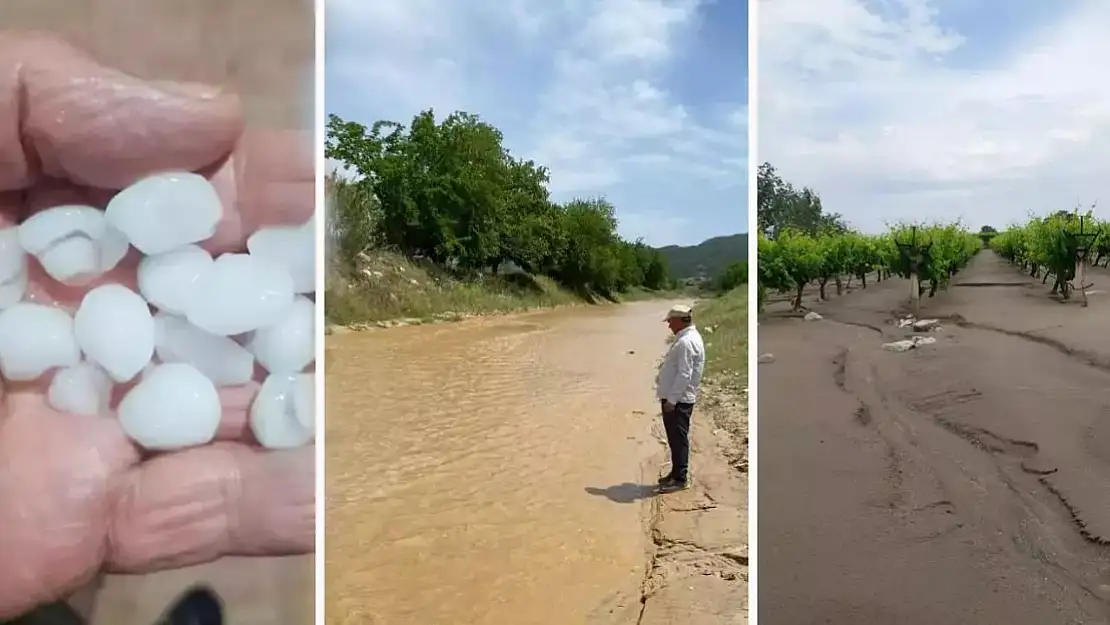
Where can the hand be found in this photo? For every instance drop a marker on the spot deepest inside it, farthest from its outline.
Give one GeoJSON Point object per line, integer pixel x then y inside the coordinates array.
{"type": "Point", "coordinates": [668, 406]}
{"type": "Point", "coordinates": [76, 496]}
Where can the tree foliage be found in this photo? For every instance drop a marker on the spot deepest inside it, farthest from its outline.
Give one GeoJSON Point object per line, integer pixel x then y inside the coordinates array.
{"type": "Point", "coordinates": [783, 206]}
{"type": "Point", "coordinates": [801, 245]}
{"type": "Point", "coordinates": [451, 192]}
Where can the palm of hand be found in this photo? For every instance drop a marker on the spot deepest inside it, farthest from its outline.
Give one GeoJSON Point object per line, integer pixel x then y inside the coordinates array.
{"type": "Point", "coordinates": [78, 496]}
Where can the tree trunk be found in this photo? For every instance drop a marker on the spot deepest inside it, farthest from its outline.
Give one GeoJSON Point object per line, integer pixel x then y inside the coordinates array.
{"type": "Point", "coordinates": [798, 298]}
{"type": "Point", "coordinates": [915, 293]}
{"type": "Point", "coordinates": [863, 280]}
{"type": "Point", "coordinates": [839, 286]}
{"type": "Point", "coordinates": [822, 284]}
{"type": "Point", "coordinates": [933, 287]}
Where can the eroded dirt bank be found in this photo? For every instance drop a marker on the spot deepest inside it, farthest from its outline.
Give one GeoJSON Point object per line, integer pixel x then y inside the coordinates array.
{"type": "Point", "coordinates": [698, 570]}
{"type": "Point", "coordinates": [967, 481]}
{"type": "Point", "coordinates": [502, 471]}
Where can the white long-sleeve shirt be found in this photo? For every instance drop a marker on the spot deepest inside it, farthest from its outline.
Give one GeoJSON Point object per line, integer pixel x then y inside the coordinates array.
{"type": "Point", "coordinates": [680, 373]}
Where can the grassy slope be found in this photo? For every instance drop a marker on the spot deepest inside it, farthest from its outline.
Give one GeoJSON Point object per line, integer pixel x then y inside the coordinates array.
{"type": "Point", "coordinates": [387, 288]}
{"type": "Point", "coordinates": [724, 325]}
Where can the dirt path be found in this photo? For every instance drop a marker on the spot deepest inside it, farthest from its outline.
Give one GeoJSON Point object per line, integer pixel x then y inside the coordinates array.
{"type": "Point", "coordinates": [502, 471]}
{"type": "Point", "coordinates": [967, 481]}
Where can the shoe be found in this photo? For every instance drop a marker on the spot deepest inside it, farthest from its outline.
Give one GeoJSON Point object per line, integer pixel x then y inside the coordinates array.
{"type": "Point", "coordinates": [666, 478]}
{"type": "Point", "coordinates": [673, 484]}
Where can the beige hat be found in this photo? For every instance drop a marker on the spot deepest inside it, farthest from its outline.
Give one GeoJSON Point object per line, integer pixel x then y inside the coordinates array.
{"type": "Point", "coordinates": [679, 311]}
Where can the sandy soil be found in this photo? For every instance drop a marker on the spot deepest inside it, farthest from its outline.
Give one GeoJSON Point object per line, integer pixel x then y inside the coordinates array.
{"type": "Point", "coordinates": [961, 482]}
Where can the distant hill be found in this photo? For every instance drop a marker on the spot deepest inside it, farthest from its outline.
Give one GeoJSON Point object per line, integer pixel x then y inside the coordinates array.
{"type": "Point", "coordinates": [706, 259]}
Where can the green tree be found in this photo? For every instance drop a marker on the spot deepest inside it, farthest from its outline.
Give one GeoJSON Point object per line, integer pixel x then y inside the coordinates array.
{"type": "Point", "coordinates": [449, 191]}
{"type": "Point", "coordinates": [780, 206]}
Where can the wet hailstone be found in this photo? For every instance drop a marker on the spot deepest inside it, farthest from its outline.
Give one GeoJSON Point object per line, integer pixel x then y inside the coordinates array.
{"type": "Point", "coordinates": [292, 247]}
{"type": "Point", "coordinates": [13, 268]}
{"type": "Point", "coordinates": [282, 414]}
{"type": "Point", "coordinates": [288, 345]}
{"type": "Point", "coordinates": [115, 330]}
{"type": "Point", "coordinates": [240, 293]}
{"type": "Point", "coordinates": [194, 325]}
{"type": "Point", "coordinates": [167, 280]}
{"type": "Point", "coordinates": [73, 243]}
{"type": "Point", "coordinates": [165, 211]}
{"type": "Point", "coordinates": [83, 389]}
{"type": "Point", "coordinates": [34, 339]}
{"type": "Point", "coordinates": [218, 357]}
{"type": "Point", "coordinates": [174, 406]}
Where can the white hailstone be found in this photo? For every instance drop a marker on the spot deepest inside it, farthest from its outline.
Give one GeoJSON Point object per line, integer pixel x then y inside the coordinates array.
{"type": "Point", "coordinates": [13, 268]}
{"type": "Point", "coordinates": [281, 415]}
{"type": "Point", "coordinates": [167, 280]}
{"type": "Point", "coordinates": [12, 291]}
{"type": "Point", "coordinates": [73, 243]}
{"type": "Point", "coordinates": [292, 247]}
{"type": "Point", "coordinates": [219, 358]}
{"type": "Point", "coordinates": [304, 401]}
{"type": "Point", "coordinates": [115, 330]}
{"type": "Point", "coordinates": [173, 407]}
{"type": "Point", "coordinates": [240, 293]}
{"type": "Point", "coordinates": [289, 345]}
{"type": "Point", "coordinates": [165, 211]}
{"type": "Point", "coordinates": [83, 389]}
{"type": "Point", "coordinates": [34, 339]}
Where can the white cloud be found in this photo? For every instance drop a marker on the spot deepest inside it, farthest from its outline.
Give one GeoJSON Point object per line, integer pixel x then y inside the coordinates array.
{"type": "Point", "coordinates": [576, 85]}
{"type": "Point", "coordinates": [884, 114]}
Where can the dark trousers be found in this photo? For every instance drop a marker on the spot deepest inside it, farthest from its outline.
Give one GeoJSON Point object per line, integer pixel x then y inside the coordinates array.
{"type": "Point", "coordinates": [677, 425]}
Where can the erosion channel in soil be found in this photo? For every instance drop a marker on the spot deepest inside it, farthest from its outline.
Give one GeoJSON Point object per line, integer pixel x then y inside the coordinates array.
{"type": "Point", "coordinates": [502, 470]}
{"type": "Point", "coordinates": [964, 481]}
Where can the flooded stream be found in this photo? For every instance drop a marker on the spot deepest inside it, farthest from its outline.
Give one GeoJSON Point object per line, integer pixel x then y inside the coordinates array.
{"type": "Point", "coordinates": [487, 471]}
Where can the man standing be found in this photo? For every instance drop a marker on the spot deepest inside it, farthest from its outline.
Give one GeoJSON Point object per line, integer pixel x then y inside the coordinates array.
{"type": "Point", "coordinates": [677, 390]}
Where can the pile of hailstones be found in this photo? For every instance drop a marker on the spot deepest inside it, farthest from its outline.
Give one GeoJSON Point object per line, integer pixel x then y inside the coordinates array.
{"type": "Point", "coordinates": [196, 324]}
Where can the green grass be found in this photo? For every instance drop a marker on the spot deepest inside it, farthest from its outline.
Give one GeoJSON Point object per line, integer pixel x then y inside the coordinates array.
{"type": "Point", "coordinates": [724, 325]}
{"type": "Point", "coordinates": [387, 287]}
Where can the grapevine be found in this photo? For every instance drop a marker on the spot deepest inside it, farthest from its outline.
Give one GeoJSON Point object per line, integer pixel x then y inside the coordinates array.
{"type": "Point", "coordinates": [1058, 246]}
{"type": "Point", "coordinates": [927, 254]}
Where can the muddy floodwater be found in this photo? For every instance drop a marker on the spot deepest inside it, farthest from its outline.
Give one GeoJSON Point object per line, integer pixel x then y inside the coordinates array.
{"type": "Point", "coordinates": [487, 471]}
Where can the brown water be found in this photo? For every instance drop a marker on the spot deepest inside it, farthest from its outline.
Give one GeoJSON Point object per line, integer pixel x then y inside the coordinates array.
{"type": "Point", "coordinates": [468, 465]}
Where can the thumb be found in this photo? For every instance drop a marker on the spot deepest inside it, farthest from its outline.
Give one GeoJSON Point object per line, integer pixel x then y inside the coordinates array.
{"type": "Point", "coordinates": [65, 116]}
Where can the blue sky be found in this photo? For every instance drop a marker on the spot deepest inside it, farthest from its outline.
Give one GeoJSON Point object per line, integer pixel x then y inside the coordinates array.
{"type": "Point", "coordinates": [918, 109]}
{"type": "Point", "coordinates": [642, 101]}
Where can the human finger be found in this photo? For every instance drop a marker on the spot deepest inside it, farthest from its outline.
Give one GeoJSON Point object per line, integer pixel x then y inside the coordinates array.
{"type": "Point", "coordinates": [63, 115]}
{"type": "Point", "coordinates": [55, 487]}
{"type": "Point", "coordinates": [201, 504]}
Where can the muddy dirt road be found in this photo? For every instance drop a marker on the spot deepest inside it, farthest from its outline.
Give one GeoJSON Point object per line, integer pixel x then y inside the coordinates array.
{"type": "Point", "coordinates": [492, 471]}
{"type": "Point", "coordinates": [967, 481]}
